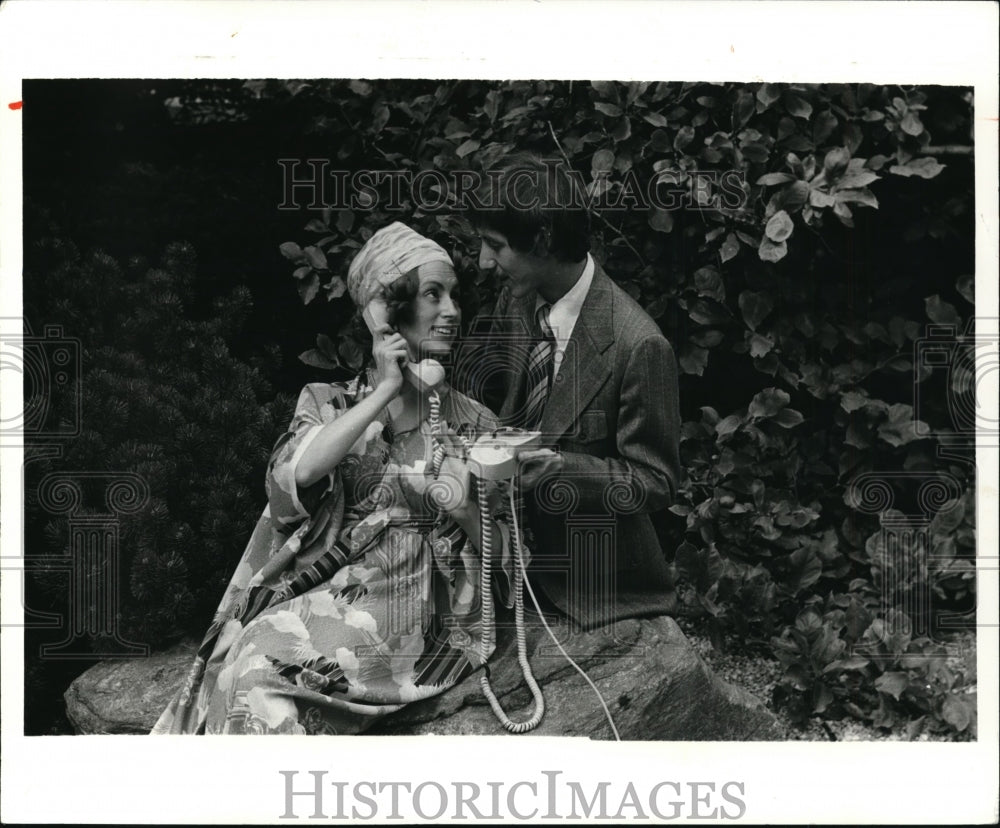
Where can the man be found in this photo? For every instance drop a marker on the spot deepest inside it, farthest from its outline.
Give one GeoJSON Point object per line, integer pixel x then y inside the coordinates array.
{"type": "Point", "coordinates": [570, 354]}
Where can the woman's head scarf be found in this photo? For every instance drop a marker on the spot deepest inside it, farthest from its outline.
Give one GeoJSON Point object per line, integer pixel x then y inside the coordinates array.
{"type": "Point", "coordinates": [390, 253]}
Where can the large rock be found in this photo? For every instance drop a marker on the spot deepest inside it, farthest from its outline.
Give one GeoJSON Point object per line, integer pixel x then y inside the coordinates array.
{"type": "Point", "coordinates": [127, 695]}
{"type": "Point", "coordinates": [654, 683]}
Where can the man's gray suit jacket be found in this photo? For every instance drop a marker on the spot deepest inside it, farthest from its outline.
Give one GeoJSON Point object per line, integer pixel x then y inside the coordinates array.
{"type": "Point", "coordinates": [613, 412]}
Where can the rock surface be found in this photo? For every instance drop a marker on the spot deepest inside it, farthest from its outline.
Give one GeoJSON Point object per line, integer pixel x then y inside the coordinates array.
{"type": "Point", "coordinates": [654, 683]}
{"type": "Point", "coordinates": [127, 695]}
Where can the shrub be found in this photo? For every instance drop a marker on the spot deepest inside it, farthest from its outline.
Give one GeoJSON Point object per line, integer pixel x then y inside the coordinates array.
{"type": "Point", "coordinates": [161, 396]}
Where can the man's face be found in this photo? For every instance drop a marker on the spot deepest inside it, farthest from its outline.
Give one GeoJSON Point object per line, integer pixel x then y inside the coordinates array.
{"type": "Point", "coordinates": [522, 271]}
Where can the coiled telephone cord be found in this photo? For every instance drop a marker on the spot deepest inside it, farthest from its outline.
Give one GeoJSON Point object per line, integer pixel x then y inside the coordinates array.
{"type": "Point", "coordinates": [520, 583]}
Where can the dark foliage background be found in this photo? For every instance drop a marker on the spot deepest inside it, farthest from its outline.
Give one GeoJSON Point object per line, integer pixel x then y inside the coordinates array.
{"type": "Point", "coordinates": [799, 312]}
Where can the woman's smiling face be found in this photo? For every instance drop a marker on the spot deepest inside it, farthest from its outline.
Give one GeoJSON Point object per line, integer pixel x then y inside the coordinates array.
{"type": "Point", "coordinates": [435, 314]}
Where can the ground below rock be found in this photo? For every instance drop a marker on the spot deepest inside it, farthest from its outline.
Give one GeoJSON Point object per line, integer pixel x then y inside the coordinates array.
{"type": "Point", "coordinates": [655, 684]}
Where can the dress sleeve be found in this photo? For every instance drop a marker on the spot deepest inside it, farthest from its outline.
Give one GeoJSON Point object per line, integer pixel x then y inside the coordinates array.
{"type": "Point", "coordinates": [289, 503]}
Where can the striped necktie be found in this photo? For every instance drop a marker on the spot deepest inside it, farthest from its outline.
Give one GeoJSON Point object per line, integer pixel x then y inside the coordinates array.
{"type": "Point", "coordinates": [539, 370]}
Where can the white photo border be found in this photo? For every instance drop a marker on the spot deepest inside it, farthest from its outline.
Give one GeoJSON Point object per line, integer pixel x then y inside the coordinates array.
{"type": "Point", "coordinates": [117, 779]}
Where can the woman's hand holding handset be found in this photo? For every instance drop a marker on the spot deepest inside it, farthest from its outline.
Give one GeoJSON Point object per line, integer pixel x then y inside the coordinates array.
{"type": "Point", "coordinates": [391, 356]}
{"type": "Point", "coordinates": [333, 442]}
{"type": "Point", "coordinates": [426, 375]}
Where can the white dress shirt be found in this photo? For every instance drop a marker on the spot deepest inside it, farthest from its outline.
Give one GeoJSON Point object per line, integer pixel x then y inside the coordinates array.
{"type": "Point", "coordinates": [564, 312]}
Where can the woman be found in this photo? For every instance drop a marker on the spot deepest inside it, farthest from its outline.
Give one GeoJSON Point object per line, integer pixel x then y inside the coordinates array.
{"type": "Point", "coordinates": [359, 589]}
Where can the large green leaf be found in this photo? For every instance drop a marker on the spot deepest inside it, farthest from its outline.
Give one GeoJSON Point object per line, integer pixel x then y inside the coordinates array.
{"type": "Point", "coordinates": [966, 285]}
{"type": "Point", "coordinates": [730, 248]}
{"type": "Point", "coordinates": [290, 250]}
{"type": "Point", "coordinates": [467, 148]}
{"type": "Point", "coordinates": [835, 162]}
{"type": "Point", "coordinates": [684, 136]}
{"type": "Point", "coordinates": [779, 227]}
{"type": "Point", "coordinates": [770, 251]}
{"type": "Point", "coordinates": [661, 220]}
{"type": "Point", "coordinates": [856, 180]}
{"type": "Point", "coordinates": [769, 93]}
{"type": "Point", "coordinates": [789, 418]}
{"type": "Point", "coordinates": [892, 684]}
{"type": "Point", "coordinates": [707, 312]}
{"type": "Point", "coordinates": [611, 110]}
{"type": "Point", "coordinates": [315, 257]}
{"type": "Point", "coordinates": [797, 106]}
{"type": "Point", "coordinates": [315, 358]}
{"type": "Point", "coordinates": [941, 312]}
{"type": "Point", "coordinates": [770, 179]}
{"type": "Point", "coordinates": [708, 282]}
{"type": "Point", "coordinates": [958, 711]}
{"type": "Point", "coordinates": [755, 307]}
{"type": "Point", "coordinates": [804, 569]}
{"type": "Point", "coordinates": [602, 162]}
{"type": "Point", "coordinates": [768, 402]}
{"type": "Point", "coordinates": [901, 427]}
{"type": "Point", "coordinates": [920, 167]}
{"type": "Point", "coordinates": [308, 287]}
{"type": "Point", "coordinates": [693, 360]}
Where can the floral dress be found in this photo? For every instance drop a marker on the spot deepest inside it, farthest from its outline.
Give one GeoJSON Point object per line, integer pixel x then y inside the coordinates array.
{"type": "Point", "coordinates": [354, 595]}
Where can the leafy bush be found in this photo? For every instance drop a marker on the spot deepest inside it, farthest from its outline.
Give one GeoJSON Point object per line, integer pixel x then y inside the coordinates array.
{"type": "Point", "coordinates": [816, 237]}
{"type": "Point", "coordinates": [161, 396]}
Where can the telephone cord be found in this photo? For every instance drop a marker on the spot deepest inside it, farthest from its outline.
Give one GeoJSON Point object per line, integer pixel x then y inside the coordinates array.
{"type": "Point", "coordinates": [520, 583]}
{"type": "Point", "coordinates": [548, 629]}
{"type": "Point", "coordinates": [438, 456]}
{"type": "Point", "coordinates": [486, 525]}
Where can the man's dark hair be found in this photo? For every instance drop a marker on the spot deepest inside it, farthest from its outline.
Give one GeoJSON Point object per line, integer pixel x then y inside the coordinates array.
{"type": "Point", "coordinates": [525, 197]}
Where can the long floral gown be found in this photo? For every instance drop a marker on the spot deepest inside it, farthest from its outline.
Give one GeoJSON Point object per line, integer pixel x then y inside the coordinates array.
{"type": "Point", "coordinates": [354, 595]}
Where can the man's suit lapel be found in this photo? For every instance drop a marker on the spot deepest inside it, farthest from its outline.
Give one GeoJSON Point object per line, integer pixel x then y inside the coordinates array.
{"type": "Point", "coordinates": [585, 367]}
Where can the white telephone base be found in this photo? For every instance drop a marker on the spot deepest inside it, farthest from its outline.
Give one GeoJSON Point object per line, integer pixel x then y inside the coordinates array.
{"type": "Point", "coordinates": [494, 456]}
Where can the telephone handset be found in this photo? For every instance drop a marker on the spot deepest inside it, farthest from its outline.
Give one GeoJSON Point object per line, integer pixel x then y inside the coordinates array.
{"type": "Point", "coordinates": [426, 375]}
